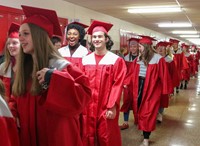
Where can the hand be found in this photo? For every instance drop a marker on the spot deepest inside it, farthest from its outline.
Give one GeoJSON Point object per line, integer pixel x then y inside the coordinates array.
{"type": "Point", "coordinates": [41, 74]}
{"type": "Point", "coordinates": [125, 86]}
{"type": "Point", "coordinates": [111, 113]}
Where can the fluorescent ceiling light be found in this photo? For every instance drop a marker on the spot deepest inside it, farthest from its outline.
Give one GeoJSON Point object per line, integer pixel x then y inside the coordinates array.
{"type": "Point", "coordinates": [189, 36]}
{"type": "Point", "coordinates": [195, 41]}
{"type": "Point", "coordinates": [184, 32]}
{"type": "Point", "coordinates": [155, 9]}
{"type": "Point", "coordinates": [175, 25]}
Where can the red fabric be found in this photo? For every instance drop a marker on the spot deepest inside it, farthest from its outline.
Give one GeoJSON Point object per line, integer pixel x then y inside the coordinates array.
{"type": "Point", "coordinates": [181, 63]}
{"type": "Point", "coordinates": [44, 18]}
{"type": "Point", "coordinates": [106, 82]}
{"type": "Point", "coordinates": [75, 61]}
{"type": "Point", "coordinates": [99, 26]}
{"type": "Point", "coordinates": [127, 96]}
{"type": "Point", "coordinates": [156, 83]}
{"type": "Point", "coordinates": [8, 132]}
{"type": "Point", "coordinates": [52, 118]}
{"type": "Point", "coordinates": [186, 72]}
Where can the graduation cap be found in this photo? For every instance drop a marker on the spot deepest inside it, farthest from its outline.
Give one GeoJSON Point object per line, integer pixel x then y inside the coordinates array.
{"type": "Point", "coordinates": [146, 40]}
{"type": "Point", "coordinates": [174, 41]}
{"type": "Point", "coordinates": [13, 30]}
{"type": "Point", "coordinates": [165, 44]}
{"type": "Point", "coordinates": [184, 45]}
{"type": "Point", "coordinates": [44, 18]}
{"type": "Point", "coordinates": [133, 41]}
{"type": "Point", "coordinates": [78, 23]}
{"type": "Point", "coordinates": [99, 26]}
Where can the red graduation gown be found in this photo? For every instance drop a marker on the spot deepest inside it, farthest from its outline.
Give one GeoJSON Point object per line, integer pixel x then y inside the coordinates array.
{"type": "Point", "coordinates": [8, 128]}
{"type": "Point", "coordinates": [6, 78]}
{"type": "Point", "coordinates": [127, 93]}
{"type": "Point", "coordinates": [186, 72]}
{"type": "Point", "coordinates": [106, 80]}
{"type": "Point", "coordinates": [52, 118]}
{"type": "Point", "coordinates": [181, 62]}
{"type": "Point", "coordinates": [156, 83]}
{"type": "Point", "coordinates": [164, 102]}
{"type": "Point", "coordinates": [76, 57]}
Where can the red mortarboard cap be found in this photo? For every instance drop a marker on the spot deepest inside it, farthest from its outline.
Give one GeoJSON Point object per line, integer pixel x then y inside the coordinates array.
{"type": "Point", "coordinates": [194, 46]}
{"type": "Point", "coordinates": [13, 30]}
{"type": "Point", "coordinates": [160, 44]}
{"type": "Point", "coordinates": [174, 41]}
{"type": "Point", "coordinates": [165, 44]}
{"type": "Point", "coordinates": [146, 40]}
{"type": "Point", "coordinates": [133, 39]}
{"type": "Point", "coordinates": [184, 45]}
{"type": "Point", "coordinates": [99, 26]}
{"type": "Point", "coordinates": [44, 18]}
{"type": "Point", "coordinates": [78, 23]}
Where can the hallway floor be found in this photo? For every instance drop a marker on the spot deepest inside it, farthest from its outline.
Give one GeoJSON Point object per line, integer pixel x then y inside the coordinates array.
{"type": "Point", "coordinates": [181, 121]}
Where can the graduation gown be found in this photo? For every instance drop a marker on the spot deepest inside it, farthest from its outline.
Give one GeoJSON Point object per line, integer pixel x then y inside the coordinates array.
{"type": "Point", "coordinates": [76, 57]}
{"type": "Point", "coordinates": [106, 79]}
{"type": "Point", "coordinates": [127, 92]}
{"type": "Point", "coordinates": [52, 117]}
{"type": "Point", "coordinates": [8, 132]}
{"type": "Point", "coordinates": [156, 83]}
{"type": "Point", "coordinates": [186, 72]}
{"type": "Point", "coordinates": [6, 78]}
{"type": "Point", "coordinates": [164, 102]}
{"type": "Point", "coordinates": [180, 62]}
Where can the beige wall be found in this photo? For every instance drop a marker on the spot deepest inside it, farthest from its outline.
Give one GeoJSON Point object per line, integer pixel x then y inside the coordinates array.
{"type": "Point", "coordinates": [71, 11]}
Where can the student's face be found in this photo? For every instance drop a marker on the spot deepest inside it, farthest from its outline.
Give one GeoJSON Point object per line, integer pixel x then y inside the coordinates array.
{"type": "Point", "coordinates": [161, 50]}
{"type": "Point", "coordinates": [99, 40]}
{"type": "Point", "coordinates": [133, 48]}
{"type": "Point", "coordinates": [58, 45]}
{"type": "Point", "coordinates": [13, 46]}
{"type": "Point", "coordinates": [73, 37]}
{"type": "Point", "coordinates": [141, 48]}
{"type": "Point", "coordinates": [175, 46]}
{"type": "Point", "coordinates": [25, 39]}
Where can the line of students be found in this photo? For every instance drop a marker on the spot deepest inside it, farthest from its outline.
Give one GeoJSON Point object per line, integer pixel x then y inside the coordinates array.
{"type": "Point", "coordinates": [150, 106]}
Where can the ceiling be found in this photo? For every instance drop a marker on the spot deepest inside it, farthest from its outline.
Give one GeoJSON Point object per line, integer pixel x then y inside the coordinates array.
{"type": "Point", "coordinates": [118, 9]}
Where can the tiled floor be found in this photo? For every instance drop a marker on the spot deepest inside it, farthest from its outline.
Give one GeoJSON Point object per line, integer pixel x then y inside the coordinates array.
{"type": "Point", "coordinates": [181, 121]}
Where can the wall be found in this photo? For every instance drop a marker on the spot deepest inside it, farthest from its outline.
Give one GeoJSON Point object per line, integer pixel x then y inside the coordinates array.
{"type": "Point", "coordinates": [71, 11]}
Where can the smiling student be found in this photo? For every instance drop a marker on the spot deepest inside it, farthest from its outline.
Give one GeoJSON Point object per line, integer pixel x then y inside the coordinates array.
{"type": "Point", "coordinates": [106, 72]}
{"type": "Point", "coordinates": [74, 51]}
{"type": "Point", "coordinates": [49, 93]}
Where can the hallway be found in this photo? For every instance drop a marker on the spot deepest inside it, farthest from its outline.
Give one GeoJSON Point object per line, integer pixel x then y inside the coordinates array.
{"type": "Point", "coordinates": [180, 126]}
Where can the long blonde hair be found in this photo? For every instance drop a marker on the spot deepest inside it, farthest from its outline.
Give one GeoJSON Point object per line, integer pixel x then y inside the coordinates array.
{"type": "Point", "coordinates": [27, 67]}
{"type": "Point", "coordinates": [2, 90]}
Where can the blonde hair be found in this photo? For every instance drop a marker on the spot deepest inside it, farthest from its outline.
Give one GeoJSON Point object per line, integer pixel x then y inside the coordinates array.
{"type": "Point", "coordinates": [2, 90]}
{"type": "Point", "coordinates": [27, 67]}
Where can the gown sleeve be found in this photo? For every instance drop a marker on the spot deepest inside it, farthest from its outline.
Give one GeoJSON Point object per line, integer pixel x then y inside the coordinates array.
{"type": "Point", "coordinates": [116, 89]}
{"type": "Point", "coordinates": [69, 91]}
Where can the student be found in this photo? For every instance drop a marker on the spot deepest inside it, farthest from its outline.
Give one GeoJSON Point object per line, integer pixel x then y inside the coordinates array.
{"type": "Point", "coordinates": [148, 76]}
{"type": "Point", "coordinates": [74, 51]}
{"type": "Point", "coordinates": [186, 72]}
{"type": "Point", "coordinates": [127, 96]}
{"type": "Point", "coordinates": [8, 67]}
{"type": "Point", "coordinates": [163, 48]}
{"type": "Point", "coordinates": [179, 58]}
{"type": "Point", "coordinates": [8, 132]}
{"type": "Point", "coordinates": [106, 73]}
{"type": "Point", "coordinates": [57, 42]}
{"type": "Point", "coordinates": [49, 93]}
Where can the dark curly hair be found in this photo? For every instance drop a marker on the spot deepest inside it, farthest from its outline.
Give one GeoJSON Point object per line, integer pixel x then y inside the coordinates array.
{"type": "Point", "coordinates": [80, 29]}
